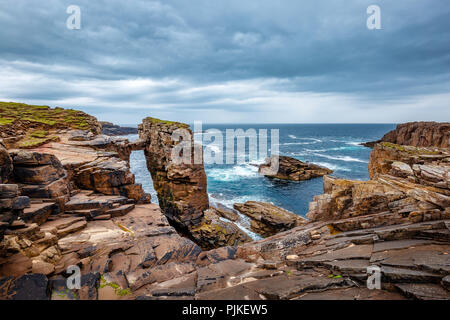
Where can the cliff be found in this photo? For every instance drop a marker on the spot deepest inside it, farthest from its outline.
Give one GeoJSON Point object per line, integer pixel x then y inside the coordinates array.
{"type": "Point", "coordinates": [29, 126]}
{"type": "Point", "coordinates": [111, 129]}
{"type": "Point", "coordinates": [418, 134]}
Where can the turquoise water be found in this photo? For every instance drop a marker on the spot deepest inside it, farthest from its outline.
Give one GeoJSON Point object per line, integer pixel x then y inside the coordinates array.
{"type": "Point", "coordinates": [335, 146]}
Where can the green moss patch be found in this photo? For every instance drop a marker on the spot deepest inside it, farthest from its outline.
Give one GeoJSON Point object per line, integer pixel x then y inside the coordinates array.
{"type": "Point", "coordinates": [67, 118]}
{"type": "Point", "coordinates": [178, 124]}
{"type": "Point", "coordinates": [34, 142]}
{"type": "Point", "coordinates": [117, 289]}
{"type": "Point", "coordinates": [6, 121]}
{"type": "Point", "coordinates": [39, 134]}
{"type": "Point", "coordinates": [409, 149]}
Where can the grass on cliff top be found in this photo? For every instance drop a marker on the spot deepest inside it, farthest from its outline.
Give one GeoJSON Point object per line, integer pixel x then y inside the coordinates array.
{"type": "Point", "coordinates": [12, 111]}
{"type": "Point", "coordinates": [155, 120]}
{"type": "Point", "coordinates": [31, 141]}
{"type": "Point", "coordinates": [410, 149]}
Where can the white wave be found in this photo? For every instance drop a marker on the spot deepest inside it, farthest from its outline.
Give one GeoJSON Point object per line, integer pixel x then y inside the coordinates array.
{"type": "Point", "coordinates": [333, 167]}
{"type": "Point", "coordinates": [234, 173]}
{"type": "Point", "coordinates": [331, 149]}
{"type": "Point", "coordinates": [214, 148]}
{"type": "Point", "coordinates": [229, 202]}
{"type": "Point", "coordinates": [354, 143]}
{"type": "Point", "coordinates": [304, 138]}
{"type": "Point", "coordinates": [301, 154]}
{"type": "Point", "coordinates": [244, 222]}
{"type": "Point", "coordinates": [340, 158]}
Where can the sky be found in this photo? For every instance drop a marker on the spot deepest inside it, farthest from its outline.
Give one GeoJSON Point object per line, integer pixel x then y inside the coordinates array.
{"type": "Point", "coordinates": [230, 61]}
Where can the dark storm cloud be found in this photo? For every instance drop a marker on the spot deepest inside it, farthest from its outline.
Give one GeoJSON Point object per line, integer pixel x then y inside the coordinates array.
{"type": "Point", "coordinates": [233, 56]}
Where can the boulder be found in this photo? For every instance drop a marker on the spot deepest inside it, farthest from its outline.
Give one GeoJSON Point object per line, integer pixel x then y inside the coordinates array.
{"type": "Point", "coordinates": [268, 219]}
{"type": "Point", "coordinates": [110, 176]}
{"type": "Point", "coordinates": [214, 232]}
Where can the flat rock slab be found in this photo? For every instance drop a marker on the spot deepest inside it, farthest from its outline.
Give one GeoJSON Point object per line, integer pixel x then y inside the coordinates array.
{"type": "Point", "coordinates": [61, 223]}
{"type": "Point", "coordinates": [37, 212]}
{"type": "Point", "coordinates": [216, 275]}
{"type": "Point", "coordinates": [432, 258]}
{"type": "Point", "coordinates": [399, 244]}
{"type": "Point", "coordinates": [86, 203]}
{"type": "Point", "coordinates": [352, 294]}
{"type": "Point", "coordinates": [395, 275]}
{"type": "Point", "coordinates": [350, 252]}
{"type": "Point", "coordinates": [120, 211]}
{"type": "Point", "coordinates": [287, 287]}
{"type": "Point", "coordinates": [77, 226]}
{"type": "Point", "coordinates": [349, 267]}
{"type": "Point", "coordinates": [239, 292]}
{"type": "Point", "coordinates": [424, 291]}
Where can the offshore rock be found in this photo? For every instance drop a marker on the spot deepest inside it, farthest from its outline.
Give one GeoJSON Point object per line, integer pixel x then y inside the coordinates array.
{"type": "Point", "coordinates": [292, 169]}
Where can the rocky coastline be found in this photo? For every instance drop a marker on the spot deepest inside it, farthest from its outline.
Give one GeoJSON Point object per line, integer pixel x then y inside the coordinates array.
{"type": "Point", "coordinates": [68, 198]}
{"type": "Point", "coordinates": [111, 129]}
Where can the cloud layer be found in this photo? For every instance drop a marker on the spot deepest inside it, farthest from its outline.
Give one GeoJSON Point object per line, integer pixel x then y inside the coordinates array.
{"type": "Point", "coordinates": [230, 61]}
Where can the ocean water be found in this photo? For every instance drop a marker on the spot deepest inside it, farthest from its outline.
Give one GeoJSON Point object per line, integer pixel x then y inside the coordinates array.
{"type": "Point", "coordinates": [335, 146]}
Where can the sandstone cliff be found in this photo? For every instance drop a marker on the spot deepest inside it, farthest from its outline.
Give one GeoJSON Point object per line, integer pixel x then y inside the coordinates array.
{"type": "Point", "coordinates": [181, 187]}
{"type": "Point", "coordinates": [418, 134]}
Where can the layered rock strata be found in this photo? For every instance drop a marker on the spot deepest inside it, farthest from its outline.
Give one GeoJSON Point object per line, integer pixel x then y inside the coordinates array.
{"type": "Point", "coordinates": [418, 134]}
{"type": "Point", "coordinates": [181, 185]}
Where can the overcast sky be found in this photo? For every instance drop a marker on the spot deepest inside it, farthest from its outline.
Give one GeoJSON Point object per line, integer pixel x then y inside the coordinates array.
{"type": "Point", "coordinates": [230, 61]}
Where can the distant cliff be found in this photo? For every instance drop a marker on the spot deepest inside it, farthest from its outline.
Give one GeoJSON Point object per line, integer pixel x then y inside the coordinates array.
{"type": "Point", "coordinates": [418, 134]}
{"type": "Point", "coordinates": [111, 129]}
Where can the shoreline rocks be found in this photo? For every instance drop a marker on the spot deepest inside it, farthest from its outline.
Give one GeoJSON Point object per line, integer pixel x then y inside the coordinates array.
{"type": "Point", "coordinates": [399, 221]}
{"type": "Point", "coordinates": [291, 169]}
{"type": "Point", "coordinates": [268, 219]}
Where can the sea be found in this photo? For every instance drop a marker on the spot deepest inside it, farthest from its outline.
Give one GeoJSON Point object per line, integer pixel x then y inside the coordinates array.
{"type": "Point", "coordinates": [335, 146]}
